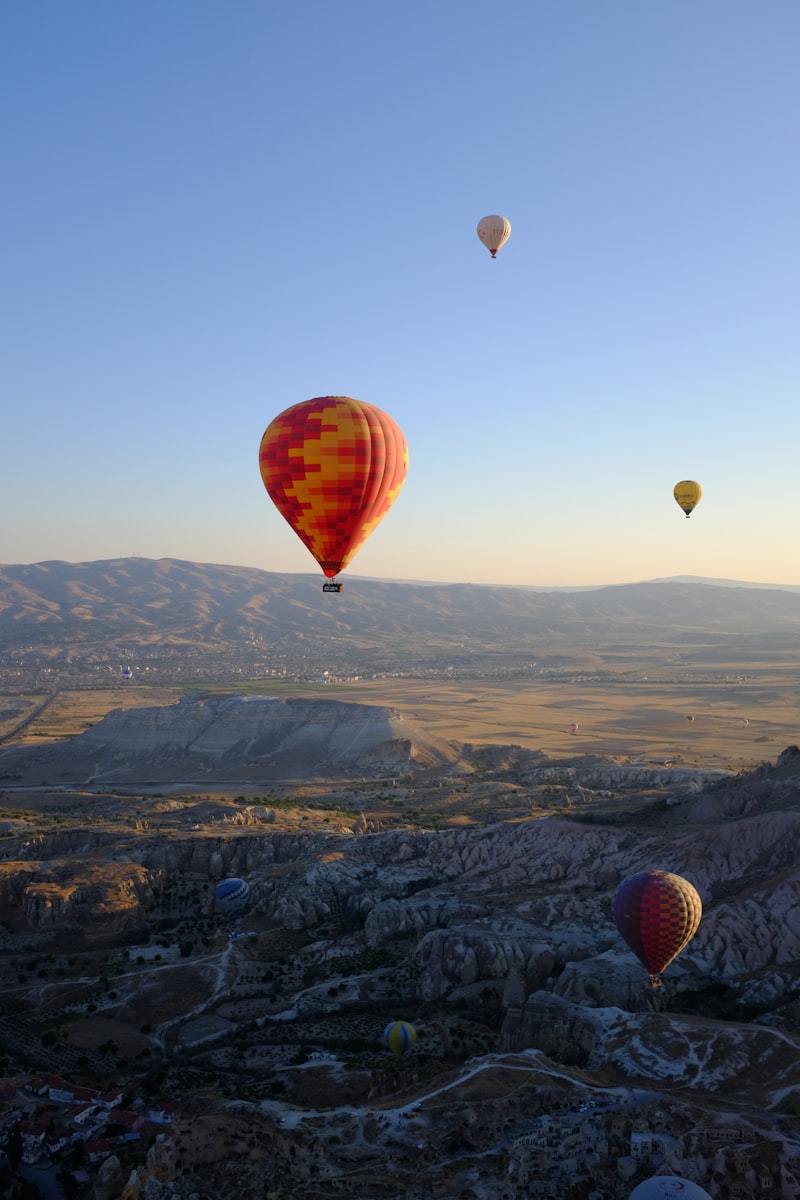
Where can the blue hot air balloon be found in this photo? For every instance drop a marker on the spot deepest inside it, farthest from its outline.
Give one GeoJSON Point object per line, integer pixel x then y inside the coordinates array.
{"type": "Point", "coordinates": [232, 895]}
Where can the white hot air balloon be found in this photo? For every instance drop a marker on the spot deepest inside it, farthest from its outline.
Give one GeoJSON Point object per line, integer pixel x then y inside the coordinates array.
{"type": "Point", "coordinates": [662, 1187]}
{"type": "Point", "coordinates": [494, 233]}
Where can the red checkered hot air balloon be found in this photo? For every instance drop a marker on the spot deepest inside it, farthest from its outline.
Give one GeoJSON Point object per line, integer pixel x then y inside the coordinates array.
{"type": "Point", "coordinates": [333, 467]}
{"type": "Point", "coordinates": [657, 914]}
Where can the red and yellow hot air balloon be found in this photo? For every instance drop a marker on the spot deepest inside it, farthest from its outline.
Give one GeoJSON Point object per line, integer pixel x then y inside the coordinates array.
{"type": "Point", "coordinates": [658, 914]}
{"type": "Point", "coordinates": [333, 467]}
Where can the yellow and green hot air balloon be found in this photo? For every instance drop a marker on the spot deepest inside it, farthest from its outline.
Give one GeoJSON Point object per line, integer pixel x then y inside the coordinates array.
{"type": "Point", "coordinates": [687, 493]}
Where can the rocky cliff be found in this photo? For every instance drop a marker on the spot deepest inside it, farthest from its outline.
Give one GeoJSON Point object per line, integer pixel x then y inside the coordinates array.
{"type": "Point", "coordinates": [240, 737]}
{"type": "Point", "coordinates": [525, 900]}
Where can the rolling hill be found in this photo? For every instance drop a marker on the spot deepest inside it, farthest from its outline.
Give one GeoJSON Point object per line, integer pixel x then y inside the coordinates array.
{"type": "Point", "coordinates": [178, 605]}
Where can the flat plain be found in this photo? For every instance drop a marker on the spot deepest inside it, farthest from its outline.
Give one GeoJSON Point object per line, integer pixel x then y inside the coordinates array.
{"type": "Point", "coordinates": [645, 721]}
{"type": "Point", "coordinates": [740, 716]}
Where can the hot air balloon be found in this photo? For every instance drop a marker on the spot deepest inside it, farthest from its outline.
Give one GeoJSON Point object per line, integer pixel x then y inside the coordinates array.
{"type": "Point", "coordinates": [688, 494]}
{"type": "Point", "coordinates": [232, 895]}
{"type": "Point", "coordinates": [573, 726]}
{"type": "Point", "coordinates": [689, 718]}
{"type": "Point", "coordinates": [333, 467]}
{"type": "Point", "coordinates": [494, 232]}
{"type": "Point", "coordinates": [657, 914]}
{"type": "Point", "coordinates": [398, 1037]}
{"type": "Point", "coordinates": [660, 1187]}
{"type": "Point", "coordinates": [743, 723]}
{"type": "Point", "coordinates": [127, 673]}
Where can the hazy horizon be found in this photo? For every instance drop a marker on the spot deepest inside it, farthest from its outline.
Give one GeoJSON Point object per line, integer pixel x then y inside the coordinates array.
{"type": "Point", "coordinates": [355, 576]}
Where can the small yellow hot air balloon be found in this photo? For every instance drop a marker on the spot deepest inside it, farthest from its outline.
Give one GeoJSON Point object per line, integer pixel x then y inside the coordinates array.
{"type": "Point", "coordinates": [494, 232]}
{"type": "Point", "coordinates": [688, 494]}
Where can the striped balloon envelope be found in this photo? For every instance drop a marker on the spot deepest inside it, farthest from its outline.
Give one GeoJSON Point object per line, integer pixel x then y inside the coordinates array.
{"type": "Point", "coordinates": [399, 1036]}
{"type": "Point", "coordinates": [657, 913]}
{"type": "Point", "coordinates": [232, 895]}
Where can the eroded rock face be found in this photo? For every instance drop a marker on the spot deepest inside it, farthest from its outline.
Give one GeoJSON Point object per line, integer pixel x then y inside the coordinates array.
{"type": "Point", "coordinates": [531, 852]}
{"type": "Point", "coordinates": [528, 900]}
{"type": "Point", "coordinates": [512, 918]}
{"type": "Point", "coordinates": [649, 1046]}
{"type": "Point", "coordinates": [554, 1027]}
{"type": "Point", "coordinates": [478, 902]}
{"type": "Point", "coordinates": [108, 1185]}
{"type": "Point", "coordinates": [161, 1157]}
{"type": "Point", "coordinates": [14, 879]}
{"type": "Point", "coordinates": [599, 774]}
{"type": "Point", "coordinates": [454, 958]}
{"type": "Point", "coordinates": [112, 895]}
{"type": "Point", "coordinates": [239, 736]}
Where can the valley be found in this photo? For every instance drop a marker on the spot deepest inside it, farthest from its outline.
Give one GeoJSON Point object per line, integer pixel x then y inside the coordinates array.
{"type": "Point", "coordinates": [431, 827]}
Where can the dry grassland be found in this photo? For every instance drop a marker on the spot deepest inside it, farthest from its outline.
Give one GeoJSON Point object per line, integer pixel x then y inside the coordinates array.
{"type": "Point", "coordinates": [641, 720]}
{"type": "Point", "coordinates": [70, 713]}
{"type": "Point", "coordinates": [644, 721]}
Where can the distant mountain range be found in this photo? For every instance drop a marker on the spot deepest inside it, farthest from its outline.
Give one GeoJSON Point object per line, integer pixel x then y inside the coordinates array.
{"type": "Point", "coordinates": [738, 583]}
{"type": "Point", "coordinates": [175, 605]}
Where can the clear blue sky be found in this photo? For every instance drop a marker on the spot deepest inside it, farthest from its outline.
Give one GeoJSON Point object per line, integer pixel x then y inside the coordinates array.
{"type": "Point", "coordinates": [212, 210]}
